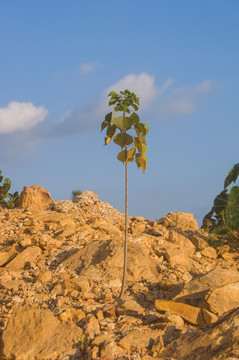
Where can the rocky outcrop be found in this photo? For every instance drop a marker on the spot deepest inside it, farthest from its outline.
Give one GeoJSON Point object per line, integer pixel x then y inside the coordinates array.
{"type": "Point", "coordinates": [34, 197]}
{"type": "Point", "coordinates": [61, 272]}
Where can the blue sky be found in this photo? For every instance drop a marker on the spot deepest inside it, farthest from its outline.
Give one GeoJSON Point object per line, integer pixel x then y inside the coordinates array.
{"type": "Point", "coordinates": [58, 61]}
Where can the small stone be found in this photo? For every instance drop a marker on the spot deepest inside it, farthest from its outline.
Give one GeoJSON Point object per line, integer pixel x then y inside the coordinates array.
{"type": "Point", "coordinates": [209, 252]}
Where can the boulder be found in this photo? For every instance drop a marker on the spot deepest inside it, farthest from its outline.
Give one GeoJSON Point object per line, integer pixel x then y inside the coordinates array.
{"type": "Point", "coordinates": [209, 252]}
{"type": "Point", "coordinates": [198, 242]}
{"type": "Point", "coordinates": [137, 340]}
{"type": "Point", "coordinates": [194, 291]}
{"type": "Point", "coordinates": [28, 255]}
{"type": "Point", "coordinates": [103, 260]}
{"type": "Point", "coordinates": [189, 313]}
{"type": "Point", "coordinates": [34, 198]}
{"type": "Point", "coordinates": [177, 257]}
{"type": "Point", "coordinates": [33, 333]}
{"type": "Point", "coordinates": [222, 298]}
{"type": "Point", "coordinates": [182, 221]}
{"type": "Point", "coordinates": [184, 243]}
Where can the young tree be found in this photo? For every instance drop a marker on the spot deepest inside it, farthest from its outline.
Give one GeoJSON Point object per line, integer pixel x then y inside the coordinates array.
{"type": "Point", "coordinates": [117, 128]}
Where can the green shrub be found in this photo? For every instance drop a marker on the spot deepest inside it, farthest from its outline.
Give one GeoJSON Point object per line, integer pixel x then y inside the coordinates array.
{"type": "Point", "coordinates": [223, 219]}
{"type": "Point", "coordinates": [75, 193]}
{"type": "Point", "coordinates": [7, 199]}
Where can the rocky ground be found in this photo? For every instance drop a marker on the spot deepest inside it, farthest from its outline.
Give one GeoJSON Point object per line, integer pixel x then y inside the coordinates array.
{"type": "Point", "coordinates": [60, 277]}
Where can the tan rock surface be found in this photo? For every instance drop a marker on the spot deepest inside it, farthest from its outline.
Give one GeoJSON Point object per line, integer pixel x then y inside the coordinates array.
{"type": "Point", "coordinates": [189, 313]}
{"type": "Point", "coordinates": [33, 333]}
{"type": "Point", "coordinates": [219, 341]}
{"type": "Point", "coordinates": [28, 255]}
{"type": "Point", "coordinates": [68, 261]}
{"type": "Point", "coordinates": [194, 292]}
{"type": "Point", "coordinates": [34, 197]}
{"type": "Point", "coordinates": [222, 298]}
{"type": "Point", "coordinates": [104, 259]}
{"type": "Point", "coordinates": [209, 252]}
{"type": "Point", "coordinates": [184, 244]}
{"type": "Point", "coordinates": [182, 221]}
{"type": "Point", "coordinates": [7, 254]}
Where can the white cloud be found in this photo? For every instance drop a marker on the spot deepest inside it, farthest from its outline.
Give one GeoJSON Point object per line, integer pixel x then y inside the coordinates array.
{"type": "Point", "coordinates": [20, 116]}
{"type": "Point", "coordinates": [143, 85]}
{"type": "Point", "coordinates": [160, 102]}
{"type": "Point", "coordinates": [183, 100]}
{"type": "Point", "coordinates": [86, 68]}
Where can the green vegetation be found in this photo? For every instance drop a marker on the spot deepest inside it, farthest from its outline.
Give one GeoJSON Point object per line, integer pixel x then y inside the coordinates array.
{"type": "Point", "coordinates": [223, 219]}
{"type": "Point", "coordinates": [7, 199]}
{"type": "Point", "coordinates": [74, 193]}
{"type": "Point", "coordinates": [133, 146]}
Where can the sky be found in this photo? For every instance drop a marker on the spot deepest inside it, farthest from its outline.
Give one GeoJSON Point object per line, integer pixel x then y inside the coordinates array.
{"type": "Point", "coordinates": [59, 60]}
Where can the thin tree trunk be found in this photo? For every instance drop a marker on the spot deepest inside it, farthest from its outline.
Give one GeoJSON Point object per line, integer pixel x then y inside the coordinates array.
{"type": "Point", "coordinates": [126, 228]}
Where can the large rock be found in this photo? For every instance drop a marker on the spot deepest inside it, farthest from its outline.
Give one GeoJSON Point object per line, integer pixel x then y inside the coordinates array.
{"type": "Point", "coordinates": [222, 299]}
{"type": "Point", "coordinates": [37, 334]}
{"type": "Point", "coordinates": [137, 340]}
{"type": "Point", "coordinates": [176, 255]}
{"type": "Point", "coordinates": [7, 254]}
{"type": "Point", "coordinates": [28, 255]}
{"type": "Point", "coordinates": [189, 313]}
{"type": "Point", "coordinates": [34, 197]}
{"type": "Point", "coordinates": [103, 259]}
{"type": "Point", "coordinates": [195, 291]}
{"type": "Point", "coordinates": [185, 245]}
{"type": "Point", "coordinates": [219, 341]}
{"type": "Point", "coordinates": [181, 221]}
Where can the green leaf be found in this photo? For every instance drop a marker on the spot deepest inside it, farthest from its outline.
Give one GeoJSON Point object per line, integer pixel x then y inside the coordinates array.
{"type": "Point", "coordinates": [123, 139]}
{"type": "Point", "coordinates": [122, 123]}
{"type": "Point", "coordinates": [118, 108]}
{"type": "Point", "coordinates": [143, 128]}
{"type": "Point", "coordinates": [135, 118]}
{"type": "Point", "coordinates": [141, 145]}
{"type": "Point", "coordinates": [232, 176]}
{"type": "Point", "coordinates": [112, 101]}
{"type": "Point", "coordinates": [220, 204]}
{"type": "Point", "coordinates": [141, 161]}
{"type": "Point", "coordinates": [137, 144]}
{"type": "Point", "coordinates": [232, 209]}
{"type": "Point", "coordinates": [113, 93]}
{"type": "Point", "coordinates": [107, 140]}
{"type": "Point", "coordinates": [6, 184]}
{"type": "Point", "coordinates": [127, 92]}
{"type": "Point", "coordinates": [111, 130]}
{"type": "Point", "coordinates": [104, 125]}
{"type": "Point", "coordinates": [135, 107]}
{"type": "Point", "coordinates": [108, 117]}
{"type": "Point", "coordinates": [130, 154]}
{"type": "Point", "coordinates": [144, 148]}
{"type": "Point", "coordinates": [122, 156]}
{"type": "Point", "coordinates": [119, 122]}
{"type": "Point", "coordinates": [140, 138]}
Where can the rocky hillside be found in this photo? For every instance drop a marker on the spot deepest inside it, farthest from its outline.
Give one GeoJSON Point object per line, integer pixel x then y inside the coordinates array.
{"type": "Point", "coordinates": [60, 276]}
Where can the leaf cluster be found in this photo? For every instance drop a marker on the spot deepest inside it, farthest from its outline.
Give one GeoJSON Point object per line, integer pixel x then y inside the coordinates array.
{"type": "Point", "coordinates": [117, 128]}
{"type": "Point", "coordinates": [7, 199]}
{"type": "Point", "coordinates": [124, 100]}
{"type": "Point", "coordinates": [224, 215]}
